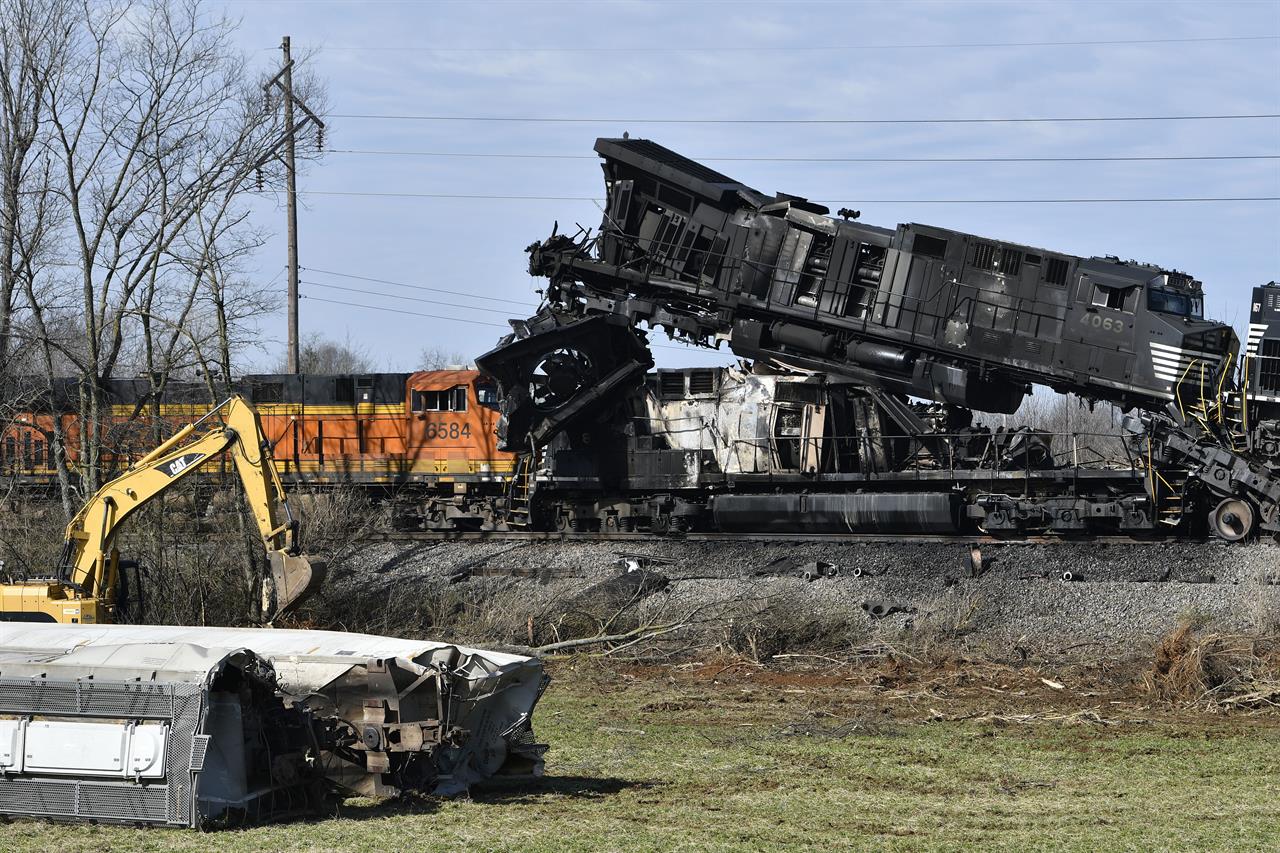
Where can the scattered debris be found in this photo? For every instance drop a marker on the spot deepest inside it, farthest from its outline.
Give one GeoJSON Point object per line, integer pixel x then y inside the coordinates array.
{"type": "Point", "coordinates": [881, 609]}
{"type": "Point", "coordinates": [976, 565]}
{"type": "Point", "coordinates": [816, 569]}
{"type": "Point", "coordinates": [636, 562]}
{"type": "Point", "coordinates": [620, 590]}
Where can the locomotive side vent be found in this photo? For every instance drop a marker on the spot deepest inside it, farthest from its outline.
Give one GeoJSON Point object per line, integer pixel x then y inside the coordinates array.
{"type": "Point", "coordinates": [702, 382]}
{"type": "Point", "coordinates": [984, 256]}
{"type": "Point", "coordinates": [1269, 366]}
{"type": "Point", "coordinates": [1056, 271]}
{"type": "Point", "coordinates": [1010, 261]}
{"type": "Point", "coordinates": [671, 385]}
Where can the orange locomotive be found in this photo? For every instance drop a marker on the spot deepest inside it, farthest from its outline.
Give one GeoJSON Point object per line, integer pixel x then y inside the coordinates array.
{"type": "Point", "coordinates": [426, 437]}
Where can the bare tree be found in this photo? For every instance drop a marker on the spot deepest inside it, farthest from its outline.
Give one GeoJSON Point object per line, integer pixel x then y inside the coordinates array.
{"type": "Point", "coordinates": [438, 358]}
{"type": "Point", "coordinates": [130, 132]}
{"type": "Point", "coordinates": [30, 51]}
{"type": "Point", "coordinates": [320, 355]}
{"type": "Point", "coordinates": [1084, 432]}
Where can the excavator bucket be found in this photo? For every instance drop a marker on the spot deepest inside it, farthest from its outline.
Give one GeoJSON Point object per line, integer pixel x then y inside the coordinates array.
{"type": "Point", "coordinates": [293, 578]}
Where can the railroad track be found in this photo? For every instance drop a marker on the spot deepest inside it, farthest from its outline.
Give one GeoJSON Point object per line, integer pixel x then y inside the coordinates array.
{"type": "Point", "coordinates": [825, 538]}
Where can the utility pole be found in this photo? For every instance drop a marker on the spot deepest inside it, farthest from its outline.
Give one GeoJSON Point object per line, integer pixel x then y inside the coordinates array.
{"type": "Point", "coordinates": [284, 80]}
{"type": "Point", "coordinates": [291, 190]}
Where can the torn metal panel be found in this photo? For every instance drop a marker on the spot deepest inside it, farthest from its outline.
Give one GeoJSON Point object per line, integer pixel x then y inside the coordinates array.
{"type": "Point", "coordinates": [407, 714]}
{"type": "Point", "coordinates": [737, 424]}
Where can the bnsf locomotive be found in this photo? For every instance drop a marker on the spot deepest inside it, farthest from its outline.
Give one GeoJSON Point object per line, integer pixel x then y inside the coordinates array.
{"type": "Point", "coordinates": [427, 436]}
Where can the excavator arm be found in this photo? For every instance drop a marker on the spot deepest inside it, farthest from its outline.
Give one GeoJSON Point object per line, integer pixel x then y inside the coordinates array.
{"type": "Point", "coordinates": [88, 575]}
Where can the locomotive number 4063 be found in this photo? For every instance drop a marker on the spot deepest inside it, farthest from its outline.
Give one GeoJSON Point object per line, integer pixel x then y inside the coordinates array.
{"type": "Point", "coordinates": [1109, 324]}
{"type": "Point", "coordinates": [440, 429]}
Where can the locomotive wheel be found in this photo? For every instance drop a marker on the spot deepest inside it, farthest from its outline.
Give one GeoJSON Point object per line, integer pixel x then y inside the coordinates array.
{"type": "Point", "coordinates": [1232, 519]}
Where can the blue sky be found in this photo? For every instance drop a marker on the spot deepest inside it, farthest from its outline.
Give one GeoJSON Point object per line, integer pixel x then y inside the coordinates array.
{"type": "Point", "coordinates": [770, 60]}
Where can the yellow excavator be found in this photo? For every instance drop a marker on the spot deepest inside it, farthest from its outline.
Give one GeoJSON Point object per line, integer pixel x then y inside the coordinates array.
{"type": "Point", "coordinates": [85, 589]}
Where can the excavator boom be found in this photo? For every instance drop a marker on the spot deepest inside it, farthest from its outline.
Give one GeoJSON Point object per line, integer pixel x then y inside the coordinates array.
{"type": "Point", "coordinates": [84, 587]}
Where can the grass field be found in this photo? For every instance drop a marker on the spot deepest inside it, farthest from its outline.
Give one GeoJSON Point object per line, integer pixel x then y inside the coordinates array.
{"type": "Point", "coordinates": [732, 756]}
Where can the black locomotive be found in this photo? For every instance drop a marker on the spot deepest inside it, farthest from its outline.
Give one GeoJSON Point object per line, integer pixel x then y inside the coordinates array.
{"type": "Point", "coordinates": [965, 322]}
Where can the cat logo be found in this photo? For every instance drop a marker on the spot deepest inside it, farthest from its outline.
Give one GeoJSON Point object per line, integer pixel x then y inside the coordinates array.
{"type": "Point", "coordinates": [174, 467]}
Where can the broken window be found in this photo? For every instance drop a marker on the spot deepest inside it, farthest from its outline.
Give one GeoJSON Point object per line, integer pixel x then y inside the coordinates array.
{"type": "Point", "coordinates": [787, 435]}
{"type": "Point", "coordinates": [1108, 297]}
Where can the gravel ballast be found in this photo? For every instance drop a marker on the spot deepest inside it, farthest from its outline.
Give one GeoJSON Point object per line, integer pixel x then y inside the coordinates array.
{"type": "Point", "coordinates": [1123, 599]}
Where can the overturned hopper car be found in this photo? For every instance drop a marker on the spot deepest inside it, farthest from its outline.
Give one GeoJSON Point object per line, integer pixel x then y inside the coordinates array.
{"type": "Point", "coordinates": [213, 727]}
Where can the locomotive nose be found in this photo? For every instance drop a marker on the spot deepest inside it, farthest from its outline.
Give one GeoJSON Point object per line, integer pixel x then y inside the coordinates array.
{"type": "Point", "coordinates": [1218, 340]}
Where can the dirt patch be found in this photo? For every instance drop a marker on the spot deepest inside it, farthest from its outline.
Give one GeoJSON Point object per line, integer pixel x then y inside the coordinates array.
{"type": "Point", "coordinates": [836, 699]}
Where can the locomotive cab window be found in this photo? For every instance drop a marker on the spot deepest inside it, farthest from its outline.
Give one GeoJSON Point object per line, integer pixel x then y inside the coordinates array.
{"type": "Point", "coordinates": [447, 400]}
{"type": "Point", "coordinates": [1173, 302]}
{"type": "Point", "coordinates": [1109, 297]}
{"type": "Point", "coordinates": [487, 396]}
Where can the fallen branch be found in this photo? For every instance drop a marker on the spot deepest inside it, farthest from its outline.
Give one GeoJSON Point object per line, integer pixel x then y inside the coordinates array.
{"type": "Point", "coordinates": [636, 634]}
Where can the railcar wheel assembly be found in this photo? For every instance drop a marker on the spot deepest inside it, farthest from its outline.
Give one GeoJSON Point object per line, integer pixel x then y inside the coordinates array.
{"type": "Point", "coordinates": [1232, 519]}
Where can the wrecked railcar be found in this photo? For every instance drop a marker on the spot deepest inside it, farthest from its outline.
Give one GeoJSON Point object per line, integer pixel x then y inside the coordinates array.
{"type": "Point", "coordinates": [965, 322]}
{"type": "Point", "coordinates": [211, 726]}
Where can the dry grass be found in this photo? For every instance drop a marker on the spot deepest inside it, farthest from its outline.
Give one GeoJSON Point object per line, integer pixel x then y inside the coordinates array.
{"type": "Point", "coordinates": [753, 758]}
{"type": "Point", "coordinates": [1199, 666]}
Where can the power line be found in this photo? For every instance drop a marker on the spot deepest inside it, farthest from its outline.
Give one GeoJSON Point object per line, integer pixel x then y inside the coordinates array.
{"type": "Point", "coordinates": [403, 311]}
{"type": "Point", "coordinates": [682, 348]}
{"type": "Point", "coordinates": [636, 49]}
{"type": "Point", "coordinates": [409, 298]}
{"type": "Point", "coordinates": [1002, 159]}
{"type": "Point", "coordinates": [449, 195]}
{"type": "Point", "coordinates": [416, 286]}
{"type": "Point", "coordinates": [779, 121]}
{"type": "Point", "coordinates": [599, 200]}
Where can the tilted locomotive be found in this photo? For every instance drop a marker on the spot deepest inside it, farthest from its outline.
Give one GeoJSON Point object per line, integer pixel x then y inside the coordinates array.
{"type": "Point", "coordinates": [964, 321]}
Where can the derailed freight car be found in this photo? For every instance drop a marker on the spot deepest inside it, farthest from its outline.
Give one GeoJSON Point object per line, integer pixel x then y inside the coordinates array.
{"type": "Point", "coordinates": [200, 726]}
{"type": "Point", "coordinates": [729, 450]}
